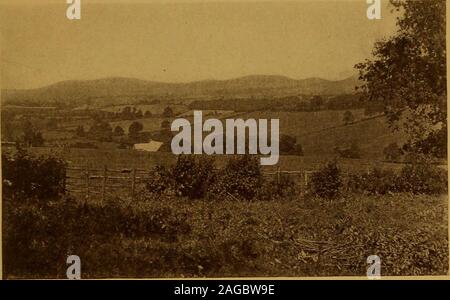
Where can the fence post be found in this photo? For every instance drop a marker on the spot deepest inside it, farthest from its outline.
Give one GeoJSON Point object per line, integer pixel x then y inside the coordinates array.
{"type": "Point", "coordinates": [87, 182]}
{"type": "Point", "coordinates": [278, 175]}
{"type": "Point", "coordinates": [306, 178]}
{"type": "Point", "coordinates": [65, 181]}
{"type": "Point", "coordinates": [105, 177]}
{"type": "Point", "coordinates": [133, 183]}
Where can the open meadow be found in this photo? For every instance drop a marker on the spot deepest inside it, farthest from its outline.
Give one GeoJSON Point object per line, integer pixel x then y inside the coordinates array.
{"type": "Point", "coordinates": [172, 237]}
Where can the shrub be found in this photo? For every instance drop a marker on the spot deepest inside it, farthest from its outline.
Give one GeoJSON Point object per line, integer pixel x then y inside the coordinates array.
{"type": "Point", "coordinates": [376, 182]}
{"type": "Point", "coordinates": [195, 177]}
{"type": "Point", "coordinates": [160, 180]}
{"type": "Point", "coordinates": [189, 177]}
{"type": "Point", "coordinates": [118, 131]}
{"type": "Point", "coordinates": [39, 236]}
{"type": "Point", "coordinates": [326, 183]}
{"type": "Point", "coordinates": [41, 177]}
{"type": "Point", "coordinates": [423, 178]}
{"type": "Point", "coordinates": [418, 177]}
{"type": "Point", "coordinates": [100, 131]}
{"type": "Point", "coordinates": [289, 145]}
{"type": "Point", "coordinates": [192, 175]}
{"type": "Point", "coordinates": [240, 178]}
{"type": "Point", "coordinates": [282, 187]}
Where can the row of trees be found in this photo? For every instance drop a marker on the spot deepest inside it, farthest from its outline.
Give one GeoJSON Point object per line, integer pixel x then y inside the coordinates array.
{"type": "Point", "coordinates": [286, 103]}
{"type": "Point", "coordinates": [132, 113]}
{"type": "Point", "coordinates": [102, 131]}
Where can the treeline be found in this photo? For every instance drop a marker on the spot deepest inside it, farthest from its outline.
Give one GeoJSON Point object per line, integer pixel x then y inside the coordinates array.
{"type": "Point", "coordinates": [102, 131]}
{"type": "Point", "coordinates": [290, 103]}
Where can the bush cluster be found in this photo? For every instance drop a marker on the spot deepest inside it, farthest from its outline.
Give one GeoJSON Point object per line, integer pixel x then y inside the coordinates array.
{"type": "Point", "coordinates": [241, 178]}
{"type": "Point", "coordinates": [375, 182]}
{"type": "Point", "coordinates": [41, 177]}
{"type": "Point", "coordinates": [189, 177]}
{"type": "Point", "coordinates": [327, 182]}
{"type": "Point", "coordinates": [197, 177]}
{"type": "Point", "coordinates": [418, 177]}
{"type": "Point", "coordinates": [37, 234]}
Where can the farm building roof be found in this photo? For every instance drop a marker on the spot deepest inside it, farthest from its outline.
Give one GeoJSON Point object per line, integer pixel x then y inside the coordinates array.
{"type": "Point", "coordinates": [151, 146]}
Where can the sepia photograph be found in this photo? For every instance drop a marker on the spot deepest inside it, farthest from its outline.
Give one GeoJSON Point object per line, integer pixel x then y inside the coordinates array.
{"type": "Point", "coordinates": [223, 139]}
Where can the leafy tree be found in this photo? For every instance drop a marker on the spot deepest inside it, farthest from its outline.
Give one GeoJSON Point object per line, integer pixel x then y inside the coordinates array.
{"type": "Point", "coordinates": [348, 117]}
{"type": "Point", "coordinates": [408, 74]}
{"type": "Point", "coordinates": [165, 124]}
{"type": "Point", "coordinates": [127, 113]}
{"type": "Point", "coordinates": [134, 130]}
{"type": "Point", "coordinates": [101, 131]}
{"type": "Point", "coordinates": [118, 131]}
{"type": "Point", "coordinates": [168, 112]}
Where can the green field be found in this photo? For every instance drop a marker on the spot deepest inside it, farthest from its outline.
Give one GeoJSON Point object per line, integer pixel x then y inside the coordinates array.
{"type": "Point", "coordinates": [299, 123]}
{"type": "Point", "coordinates": [320, 132]}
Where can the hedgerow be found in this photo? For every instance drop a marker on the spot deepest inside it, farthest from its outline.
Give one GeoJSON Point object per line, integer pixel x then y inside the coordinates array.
{"type": "Point", "coordinates": [242, 178]}
{"type": "Point", "coordinates": [197, 177]}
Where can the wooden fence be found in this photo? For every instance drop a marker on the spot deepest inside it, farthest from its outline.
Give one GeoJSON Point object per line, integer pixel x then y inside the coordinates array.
{"type": "Point", "coordinates": [89, 181]}
{"type": "Point", "coordinates": [101, 182]}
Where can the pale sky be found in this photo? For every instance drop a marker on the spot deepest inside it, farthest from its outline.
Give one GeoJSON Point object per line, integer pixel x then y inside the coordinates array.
{"type": "Point", "coordinates": [180, 42]}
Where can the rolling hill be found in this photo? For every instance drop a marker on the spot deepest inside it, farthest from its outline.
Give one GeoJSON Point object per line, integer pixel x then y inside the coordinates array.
{"type": "Point", "coordinates": [120, 90]}
{"type": "Point", "coordinates": [320, 132]}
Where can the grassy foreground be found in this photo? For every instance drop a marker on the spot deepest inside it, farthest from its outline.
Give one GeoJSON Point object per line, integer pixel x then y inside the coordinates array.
{"type": "Point", "coordinates": [181, 238]}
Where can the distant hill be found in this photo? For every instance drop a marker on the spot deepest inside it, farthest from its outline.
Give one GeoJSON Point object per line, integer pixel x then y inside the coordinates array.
{"type": "Point", "coordinates": [119, 90]}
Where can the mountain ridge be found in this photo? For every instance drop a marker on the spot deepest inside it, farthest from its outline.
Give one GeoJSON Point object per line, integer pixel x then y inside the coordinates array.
{"type": "Point", "coordinates": [82, 91]}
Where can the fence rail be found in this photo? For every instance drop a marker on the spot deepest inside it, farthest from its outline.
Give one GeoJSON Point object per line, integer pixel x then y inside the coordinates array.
{"type": "Point", "coordinates": [89, 181]}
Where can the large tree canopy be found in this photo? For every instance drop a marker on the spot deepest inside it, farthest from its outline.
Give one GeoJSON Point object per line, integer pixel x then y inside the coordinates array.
{"type": "Point", "coordinates": [407, 75]}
